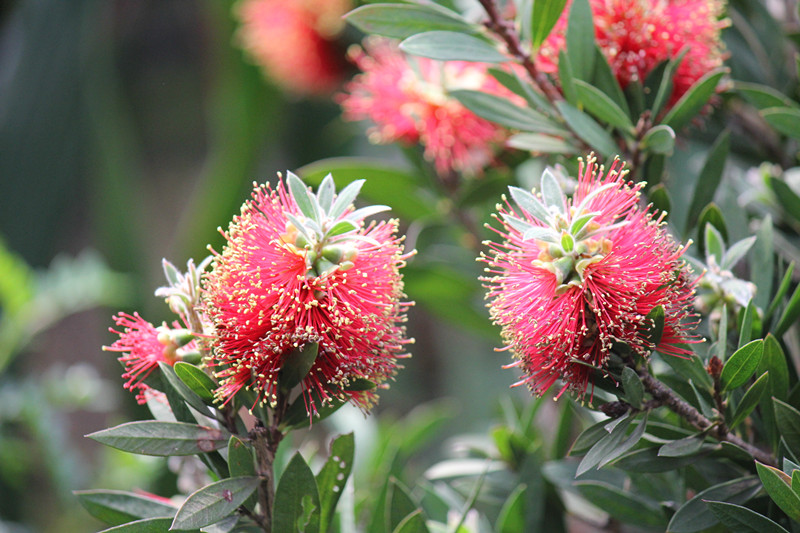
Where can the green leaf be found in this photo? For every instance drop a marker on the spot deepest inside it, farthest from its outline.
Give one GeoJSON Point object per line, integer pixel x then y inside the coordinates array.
{"type": "Point", "coordinates": [183, 390]}
{"type": "Point", "coordinates": [779, 488]}
{"type": "Point", "coordinates": [452, 46]}
{"type": "Point", "coordinates": [624, 506]}
{"type": "Point", "coordinates": [783, 288]}
{"type": "Point", "coordinates": [413, 523]}
{"type": "Point", "coordinates": [543, 17]}
{"type": "Point", "coordinates": [399, 504]}
{"type": "Point", "coordinates": [690, 368]}
{"type": "Point", "coordinates": [552, 194]}
{"type": "Point", "coordinates": [297, 416]}
{"type": "Point", "coordinates": [512, 515]}
{"type": "Point", "coordinates": [695, 515]}
{"type": "Point", "coordinates": [514, 83]}
{"type": "Point", "coordinates": [612, 445]}
{"type": "Point", "coordinates": [741, 365]}
{"type": "Point", "coordinates": [743, 520]}
{"type": "Point", "coordinates": [400, 21]}
{"type": "Point", "coordinates": [788, 422]}
{"type": "Point", "coordinates": [714, 245]}
{"type": "Point", "coordinates": [786, 197]}
{"type": "Point", "coordinates": [750, 399]}
{"type": "Point", "coordinates": [634, 390]}
{"type": "Point", "coordinates": [197, 380]}
{"type": "Point", "coordinates": [762, 263]}
{"type": "Point", "coordinates": [566, 77]}
{"type": "Point", "coordinates": [682, 447]}
{"type": "Point", "coordinates": [748, 316]}
{"type": "Point", "coordinates": [789, 315]}
{"type": "Point", "coordinates": [655, 325]}
{"type": "Point", "coordinates": [504, 112]}
{"type": "Point", "coordinates": [605, 80]}
{"type": "Point", "coordinates": [784, 119]}
{"type": "Point", "coordinates": [603, 107]}
{"type": "Point", "coordinates": [216, 501]}
{"type": "Point", "coordinates": [241, 462]}
{"type": "Point", "coordinates": [148, 525]}
{"type": "Point", "coordinates": [589, 438]}
{"type": "Point", "coordinates": [150, 437]}
{"type": "Point", "coordinates": [541, 144]}
{"type": "Point", "coordinates": [647, 461]}
{"type": "Point", "coordinates": [297, 507]}
{"type": "Point", "coordinates": [301, 196]}
{"type": "Point", "coordinates": [693, 100]}
{"type": "Point", "coordinates": [736, 252]}
{"type": "Point", "coordinates": [665, 83]}
{"type": "Point", "coordinates": [580, 40]}
{"type": "Point", "coordinates": [659, 140]}
{"type": "Point", "coordinates": [659, 197]}
{"type": "Point", "coordinates": [116, 507]}
{"type": "Point", "coordinates": [774, 362]}
{"type": "Point", "coordinates": [710, 176]}
{"type": "Point", "coordinates": [762, 96]}
{"type": "Point", "coordinates": [333, 477]}
{"type": "Point", "coordinates": [296, 365]}
{"type": "Point", "coordinates": [712, 216]}
{"type": "Point", "coordinates": [587, 129]}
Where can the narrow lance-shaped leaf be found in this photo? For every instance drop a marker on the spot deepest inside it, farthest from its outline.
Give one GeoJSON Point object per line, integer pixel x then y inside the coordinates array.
{"type": "Point", "coordinates": [302, 197]}
{"type": "Point", "coordinates": [743, 520]}
{"type": "Point", "coordinates": [544, 17]}
{"type": "Point", "coordinates": [693, 100]}
{"type": "Point", "coordinates": [150, 437]}
{"type": "Point", "coordinates": [741, 365]}
{"type": "Point", "coordinates": [116, 507]}
{"type": "Point", "coordinates": [296, 365]}
{"type": "Point", "coordinates": [778, 487]}
{"type": "Point", "coordinates": [214, 502]}
{"type": "Point", "coordinates": [452, 46]}
{"type": "Point", "coordinates": [296, 508]}
{"type": "Point", "coordinates": [333, 476]}
{"type": "Point", "coordinates": [710, 176]}
{"type": "Point", "coordinates": [603, 107]}
{"type": "Point", "coordinates": [750, 400]}
{"type": "Point", "coordinates": [399, 21]}
{"type": "Point", "coordinates": [694, 515]}
{"type": "Point", "coordinates": [580, 39]}
{"type": "Point", "coordinates": [345, 198]}
{"type": "Point", "coordinates": [197, 380]}
{"type": "Point", "coordinates": [530, 203]}
{"type": "Point", "coordinates": [587, 129]}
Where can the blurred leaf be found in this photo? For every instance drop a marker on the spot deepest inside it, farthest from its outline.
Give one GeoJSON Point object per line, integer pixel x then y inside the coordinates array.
{"type": "Point", "coordinates": [580, 39]}
{"type": "Point", "coordinates": [710, 177]}
{"type": "Point", "coordinates": [602, 106]}
{"type": "Point", "coordinates": [762, 263]}
{"type": "Point", "coordinates": [197, 380]}
{"type": "Point", "coordinates": [452, 46]}
{"type": "Point", "coordinates": [544, 16]}
{"type": "Point", "coordinates": [333, 477]}
{"type": "Point", "coordinates": [385, 184]}
{"type": "Point", "coordinates": [605, 80]}
{"type": "Point", "coordinates": [659, 140]}
{"type": "Point", "coordinates": [587, 129]}
{"type": "Point", "coordinates": [216, 501]}
{"type": "Point", "coordinates": [514, 83]}
{"type": "Point", "coordinates": [786, 197]}
{"type": "Point", "coordinates": [690, 368]}
{"type": "Point", "coordinates": [762, 96]}
{"type": "Point", "coordinates": [694, 515]}
{"type": "Point", "coordinates": [693, 100]}
{"type": "Point", "coordinates": [714, 246]}
{"type": "Point", "coordinates": [748, 323]}
{"type": "Point", "coordinates": [784, 119]}
{"type": "Point", "coordinates": [539, 143]}
{"type": "Point", "coordinates": [783, 288]}
{"type": "Point", "coordinates": [711, 216]}
{"type": "Point", "coordinates": [774, 362]}
{"type": "Point", "coordinates": [665, 84]}
{"type": "Point", "coordinates": [504, 112]}
{"type": "Point", "coordinates": [778, 487]}
{"type": "Point", "coordinates": [150, 437]}
{"type": "Point", "coordinates": [588, 438]}
{"type": "Point", "coordinates": [297, 415]}
{"type": "Point", "coordinates": [743, 520]}
{"type": "Point", "coordinates": [659, 196]}
{"type": "Point", "coordinates": [648, 461]}
{"type": "Point", "coordinates": [679, 448]}
{"type": "Point", "coordinates": [741, 365]}
{"type": "Point", "coordinates": [750, 400]}
{"type": "Point", "coordinates": [736, 252]}
{"type": "Point", "coordinates": [566, 77]}
{"type": "Point", "coordinates": [297, 507]}
{"type": "Point", "coordinates": [789, 315]}
{"type": "Point", "coordinates": [116, 507]}
{"type": "Point", "coordinates": [625, 506]}
{"type": "Point", "coordinates": [147, 525]}
{"type": "Point", "coordinates": [612, 446]}
{"type": "Point", "coordinates": [512, 515]}
{"type": "Point", "coordinates": [413, 523]}
{"type": "Point", "coordinates": [296, 365]}
{"type": "Point", "coordinates": [400, 21]}
{"type": "Point", "coordinates": [399, 504]}
{"type": "Point", "coordinates": [634, 390]}
{"type": "Point", "coordinates": [787, 419]}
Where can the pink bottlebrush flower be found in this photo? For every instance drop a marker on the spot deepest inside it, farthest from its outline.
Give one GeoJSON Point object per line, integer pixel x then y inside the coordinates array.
{"type": "Point", "coordinates": [144, 346]}
{"type": "Point", "coordinates": [407, 99]}
{"type": "Point", "coordinates": [573, 277]}
{"type": "Point", "coordinates": [637, 35]}
{"type": "Point", "coordinates": [293, 41]}
{"type": "Point", "coordinates": [289, 277]}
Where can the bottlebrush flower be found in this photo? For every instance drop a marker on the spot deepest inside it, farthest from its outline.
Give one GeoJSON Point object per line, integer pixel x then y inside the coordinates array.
{"type": "Point", "coordinates": [574, 277]}
{"type": "Point", "coordinates": [293, 41]}
{"type": "Point", "coordinates": [637, 35]}
{"type": "Point", "coordinates": [407, 99]}
{"type": "Point", "coordinates": [300, 268]}
{"type": "Point", "coordinates": [144, 346]}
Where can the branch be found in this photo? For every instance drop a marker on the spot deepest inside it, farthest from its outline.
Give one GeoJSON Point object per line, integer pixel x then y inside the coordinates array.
{"type": "Point", "coordinates": [667, 397]}
{"type": "Point", "coordinates": [507, 32]}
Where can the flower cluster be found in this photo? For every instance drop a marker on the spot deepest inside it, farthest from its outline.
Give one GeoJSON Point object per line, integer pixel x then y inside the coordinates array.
{"type": "Point", "coordinates": [301, 268]}
{"type": "Point", "coordinates": [636, 35]}
{"type": "Point", "coordinates": [407, 99]}
{"type": "Point", "coordinates": [293, 41]}
{"type": "Point", "coordinates": [575, 276]}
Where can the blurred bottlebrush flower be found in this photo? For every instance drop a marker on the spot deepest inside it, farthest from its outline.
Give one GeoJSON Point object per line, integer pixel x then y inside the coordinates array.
{"type": "Point", "coordinates": [143, 346]}
{"type": "Point", "coordinates": [407, 99]}
{"type": "Point", "coordinates": [302, 268]}
{"type": "Point", "coordinates": [293, 41]}
{"type": "Point", "coordinates": [636, 35]}
{"type": "Point", "coordinates": [575, 277]}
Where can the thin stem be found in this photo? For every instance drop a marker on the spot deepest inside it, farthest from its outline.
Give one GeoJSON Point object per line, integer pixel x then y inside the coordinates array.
{"type": "Point", "coordinates": [265, 442]}
{"type": "Point", "coordinates": [667, 396]}
{"type": "Point", "coordinates": [508, 33]}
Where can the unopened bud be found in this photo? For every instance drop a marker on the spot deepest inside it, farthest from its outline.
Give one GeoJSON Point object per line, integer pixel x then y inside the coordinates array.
{"type": "Point", "coordinates": [714, 367]}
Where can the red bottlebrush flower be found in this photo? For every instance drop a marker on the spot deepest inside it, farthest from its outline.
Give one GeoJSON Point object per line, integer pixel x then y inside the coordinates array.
{"type": "Point", "coordinates": [407, 99]}
{"type": "Point", "coordinates": [293, 41]}
{"type": "Point", "coordinates": [573, 277]}
{"type": "Point", "coordinates": [143, 347]}
{"type": "Point", "coordinates": [637, 35]}
{"type": "Point", "coordinates": [308, 270]}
